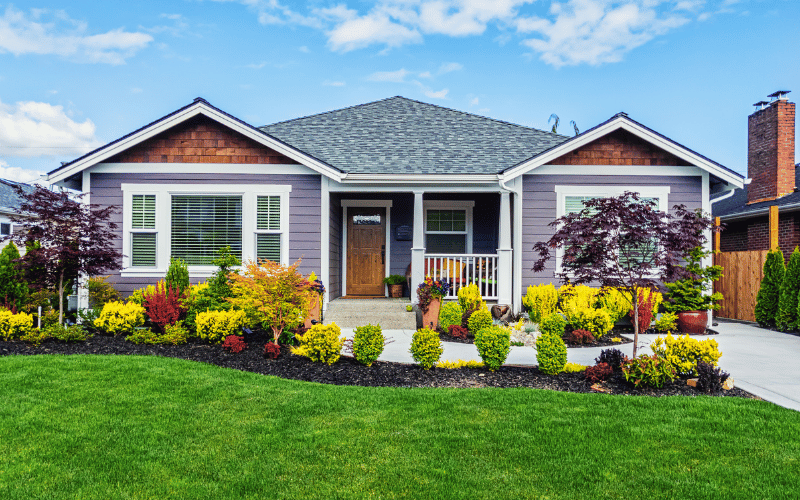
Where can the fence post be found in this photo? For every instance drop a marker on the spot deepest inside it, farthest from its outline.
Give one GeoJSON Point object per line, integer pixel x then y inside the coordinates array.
{"type": "Point", "coordinates": [773, 227]}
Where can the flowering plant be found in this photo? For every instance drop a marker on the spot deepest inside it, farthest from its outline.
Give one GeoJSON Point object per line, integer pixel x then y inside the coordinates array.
{"type": "Point", "coordinates": [431, 289]}
{"type": "Point", "coordinates": [315, 284]}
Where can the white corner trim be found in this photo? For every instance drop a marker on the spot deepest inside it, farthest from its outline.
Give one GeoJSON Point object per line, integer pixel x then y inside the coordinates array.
{"type": "Point", "coordinates": [325, 239]}
{"type": "Point", "coordinates": [387, 204]}
{"type": "Point", "coordinates": [163, 227]}
{"type": "Point", "coordinates": [198, 108]}
{"type": "Point", "coordinates": [635, 129]}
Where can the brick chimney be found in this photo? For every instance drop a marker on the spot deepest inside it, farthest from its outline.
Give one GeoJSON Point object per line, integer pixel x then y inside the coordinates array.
{"type": "Point", "coordinates": [770, 149]}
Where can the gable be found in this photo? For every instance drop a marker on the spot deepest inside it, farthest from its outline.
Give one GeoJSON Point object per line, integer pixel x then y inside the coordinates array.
{"type": "Point", "coordinates": [619, 147]}
{"type": "Point", "coordinates": [200, 140]}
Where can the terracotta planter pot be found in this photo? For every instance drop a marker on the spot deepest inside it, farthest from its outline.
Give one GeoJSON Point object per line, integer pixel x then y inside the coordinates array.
{"type": "Point", "coordinates": [313, 310]}
{"type": "Point", "coordinates": [432, 316]}
{"type": "Point", "coordinates": [395, 291]}
{"type": "Point", "coordinates": [693, 322]}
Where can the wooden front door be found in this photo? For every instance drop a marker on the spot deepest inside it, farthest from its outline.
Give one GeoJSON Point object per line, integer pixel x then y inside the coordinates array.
{"type": "Point", "coordinates": [366, 251]}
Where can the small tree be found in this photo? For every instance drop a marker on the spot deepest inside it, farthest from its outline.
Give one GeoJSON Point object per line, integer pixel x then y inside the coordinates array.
{"type": "Point", "coordinates": [769, 292]}
{"type": "Point", "coordinates": [13, 288]}
{"type": "Point", "coordinates": [624, 242]}
{"type": "Point", "coordinates": [790, 287]}
{"type": "Point", "coordinates": [271, 294]}
{"type": "Point", "coordinates": [66, 239]}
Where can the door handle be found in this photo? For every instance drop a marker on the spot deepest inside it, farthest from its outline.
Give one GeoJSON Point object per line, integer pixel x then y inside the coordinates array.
{"type": "Point", "coordinates": [383, 254]}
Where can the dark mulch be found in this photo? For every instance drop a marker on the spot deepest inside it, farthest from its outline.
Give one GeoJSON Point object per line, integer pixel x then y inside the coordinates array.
{"type": "Point", "coordinates": [347, 371]}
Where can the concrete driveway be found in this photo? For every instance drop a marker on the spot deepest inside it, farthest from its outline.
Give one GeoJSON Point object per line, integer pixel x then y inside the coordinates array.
{"type": "Point", "coordinates": [763, 362]}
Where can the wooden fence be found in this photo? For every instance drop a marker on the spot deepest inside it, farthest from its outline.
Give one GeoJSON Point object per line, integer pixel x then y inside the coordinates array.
{"type": "Point", "coordinates": [740, 282]}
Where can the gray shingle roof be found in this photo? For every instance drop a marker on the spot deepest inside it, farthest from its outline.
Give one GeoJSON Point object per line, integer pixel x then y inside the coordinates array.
{"type": "Point", "coordinates": [8, 196]}
{"type": "Point", "coordinates": [403, 136]}
{"type": "Point", "coordinates": [736, 205]}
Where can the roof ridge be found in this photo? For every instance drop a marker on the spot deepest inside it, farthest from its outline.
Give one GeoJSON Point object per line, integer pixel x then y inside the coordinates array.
{"type": "Point", "coordinates": [364, 104]}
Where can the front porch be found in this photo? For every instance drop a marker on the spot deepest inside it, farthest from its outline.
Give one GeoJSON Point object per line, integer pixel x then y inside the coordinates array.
{"type": "Point", "coordinates": [462, 237]}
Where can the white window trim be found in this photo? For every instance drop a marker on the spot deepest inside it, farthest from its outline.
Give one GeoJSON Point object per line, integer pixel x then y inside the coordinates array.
{"type": "Point", "coordinates": [661, 193]}
{"type": "Point", "coordinates": [466, 205]}
{"type": "Point", "coordinates": [163, 229]}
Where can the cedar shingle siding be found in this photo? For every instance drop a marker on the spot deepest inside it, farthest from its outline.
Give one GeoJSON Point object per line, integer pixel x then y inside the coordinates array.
{"type": "Point", "coordinates": [619, 148]}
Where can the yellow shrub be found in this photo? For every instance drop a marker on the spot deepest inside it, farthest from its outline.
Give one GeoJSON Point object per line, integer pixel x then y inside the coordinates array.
{"type": "Point", "coordinates": [683, 352]}
{"type": "Point", "coordinates": [540, 301]}
{"type": "Point", "coordinates": [14, 325]}
{"type": "Point", "coordinates": [469, 298]}
{"type": "Point", "coordinates": [615, 303]}
{"type": "Point", "coordinates": [596, 321]}
{"type": "Point", "coordinates": [138, 295]}
{"type": "Point", "coordinates": [117, 318]}
{"type": "Point", "coordinates": [574, 368]}
{"type": "Point", "coordinates": [321, 343]}
{"type": "Point", "coordinates": [454, 365]}
{"type": "Point", "coordinates": [577, 296]}
{"type": "Point", "coordinates": [214, 326]}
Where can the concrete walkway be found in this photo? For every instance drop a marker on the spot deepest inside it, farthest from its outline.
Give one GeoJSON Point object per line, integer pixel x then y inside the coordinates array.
{"type": "Point", "coordinates": [763, 362]}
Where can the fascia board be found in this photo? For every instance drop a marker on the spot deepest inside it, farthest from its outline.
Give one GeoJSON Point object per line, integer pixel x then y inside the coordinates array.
{"type": "Point", "coordinates": [642, 133]}
{"type": "Point", "coordinates": [176, 119]}
{"type": "Point", "coordinates": [420, 178]}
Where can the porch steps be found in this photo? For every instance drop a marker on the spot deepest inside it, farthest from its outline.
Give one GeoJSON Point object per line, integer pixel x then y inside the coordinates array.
{"type": "Point", "coordinates": [391, 314]}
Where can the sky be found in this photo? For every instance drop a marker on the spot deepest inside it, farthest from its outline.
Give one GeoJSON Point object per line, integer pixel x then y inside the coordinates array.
{"type": "Point", "coordinates": [75, 75]}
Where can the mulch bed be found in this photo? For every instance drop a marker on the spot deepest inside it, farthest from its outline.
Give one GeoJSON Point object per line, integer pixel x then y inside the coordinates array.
{"type": "Point", "coordinates": [349, 372]}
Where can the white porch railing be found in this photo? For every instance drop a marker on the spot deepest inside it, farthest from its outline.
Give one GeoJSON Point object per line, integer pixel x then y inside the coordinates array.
{"type": "Point", "coordinates": [464, 269]}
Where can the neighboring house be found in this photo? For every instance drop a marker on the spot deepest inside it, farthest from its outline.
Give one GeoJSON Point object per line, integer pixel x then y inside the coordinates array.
{"type": "Point", "coordinates": [773, 181]}
{"type": "Point", "coordinates": [363, 192]}
{"type": "Point", "coordinates": [9, 206]}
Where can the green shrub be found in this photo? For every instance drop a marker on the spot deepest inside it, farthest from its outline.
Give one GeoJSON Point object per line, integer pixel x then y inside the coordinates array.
{"type": "Point", "coordinates": [72, 333]}
{"type": "Point", "coordinates": [683, 353]}
{"type": "Point", "coordinates": [551, 352]}
{"type": "Point", "coordinates": [479, 320]}
{"type": "Point", "coordinates": [214, 326]}
{"type": "Point", "coordinates": [426, 347]}
{"type": "Point", "coordinates": [368, 343]}
{"type": "Point", "coordinates": [14, 290]}
{"type": "Point", "coordinates": [101, 292]}
{"type": "Point", "coordinates": [321, 343]}
{"type": "Point", "coordinates": [786, 320]}
{"type": "Point", "coordinates": [540, 301]}
{"type": "Point", "coordinates": [769, 293]}
{"type": "Point", "coordinates": [35, 336]}
{"type": "Point", "coordinates": [493, 344]}
{"type": "Point", "coordinates": [177, 277]}
{"type": "Point", "coordinates": [668, 322]}
{"type": "Point", "coordinates": [117, 318]}
{"type": "Point", "coordinates": [554, 324]}
{"type": "Point", "coordinates": [469, 298]}
{"type": "Point", "coordinates": [596, 321]}
{"type": "Point", "coordinates": [450, 314]}
{"type": "Point", "coordinates": [14, 326]}
{"type": "Point", "coordinates": [647, 370]}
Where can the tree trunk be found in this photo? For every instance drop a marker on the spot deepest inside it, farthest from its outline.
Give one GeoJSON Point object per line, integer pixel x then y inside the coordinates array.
{"type": "Point", "coordinates": [61, 299]}
{"type": "Point", "coordinates": [635, 321]}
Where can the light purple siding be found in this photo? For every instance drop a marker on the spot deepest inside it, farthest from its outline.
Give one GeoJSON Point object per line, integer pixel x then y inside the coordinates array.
{"type": "Point", "coordinates": [539, 209]}
{"type": "Point", "coordinates": [304, 210]}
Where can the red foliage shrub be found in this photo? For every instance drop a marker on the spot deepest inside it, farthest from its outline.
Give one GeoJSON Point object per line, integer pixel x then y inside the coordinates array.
{"type": "Point", "coordinates": [458, 331]}
{"type": "Point", "coordinates": [598, 372]}
{"type": "Point", "coordinates": [164, 306]}
{"type": "Point", "coordinates": [271, 350]}
{"type": "Point", "coordinates": [645, 299]}
{"type": "Point", "coordinates": [234, 344]}
{"type": "Point", "coordinates": [580, 337]}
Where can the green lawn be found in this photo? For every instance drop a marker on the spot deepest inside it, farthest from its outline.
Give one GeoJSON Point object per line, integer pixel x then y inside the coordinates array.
{"type": "Point", "coordinates": [146, 427]}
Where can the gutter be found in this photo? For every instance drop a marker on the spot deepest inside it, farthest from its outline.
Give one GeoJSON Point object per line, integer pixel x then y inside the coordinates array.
{"type": "Point", "coordinates": [791, 207]}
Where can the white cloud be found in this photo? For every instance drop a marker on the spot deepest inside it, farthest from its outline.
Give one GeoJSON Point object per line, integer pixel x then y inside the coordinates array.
{"type": "Point", "coordinates": [32, 129]}
{"type": "Point", "coordinates": [53, 33]}
{"type": "Point", "coordinates": [256, 65]}
{"type": "Point", "coordinates": [303, 49]}
{"type": "Point", "coordinates": [18, 174]}
{"type": "Point", "coordinates": [449, 67]}
{"type": "Point", "coordinates": [596, 31]}
{"type": "Point", "coordinates": [425, 74]}
{"type": "Point", "coordinates": [433, 94]}
{"type": "Point", "coordinates": [329, 83]}
{"type": "Point", "coordinates": [474, 101]}
{"type": "Point", "coordinates": [389, 76]}
{"type": "Point", "coordinates": [375, 28]}
{"type": "Point", "coordinates": [136, 90]}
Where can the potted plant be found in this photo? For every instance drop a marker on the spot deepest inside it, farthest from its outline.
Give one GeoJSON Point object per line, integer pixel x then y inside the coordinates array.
{"type": "Point", "coordinates": [430, 293]}
{"type": "Point", "coordinates": [395, 284]}
{"type": "Point", "coordinates": [686, 296]}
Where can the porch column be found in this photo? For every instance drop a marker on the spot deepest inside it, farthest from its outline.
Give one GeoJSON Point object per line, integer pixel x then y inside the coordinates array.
{"type": "Point", "coordinates": [504, 252]}
{"type": "Point", "coordinates": [418, 247]}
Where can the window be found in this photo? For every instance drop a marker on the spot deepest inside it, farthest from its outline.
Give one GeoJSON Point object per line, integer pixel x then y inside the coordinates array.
{"type": "Point", "coordinates": [448, 227]}
{"type": "Point", "coordinates": [268, 228]}
{"type": "Point", "coordinates": [143, 236]}
{"type": "Point", "coordinates": [5, 229]}
{"type": "Point", "coordinates": [571, 198]}
{"type": "Point", "coordinates": [192, 221]}
{"type": "Point", "coordinates": [202, 224]}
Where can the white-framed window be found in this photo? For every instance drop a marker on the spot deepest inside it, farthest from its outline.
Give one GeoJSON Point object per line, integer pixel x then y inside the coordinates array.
{"type": "Point", "coordinates": [5, 229]}
{"type": "Point", "coordinates": [192, 221]}
{"type": "Point", "coordinates": [448, 226]}
{"type": "Point", "coordinates": [570, 200]}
